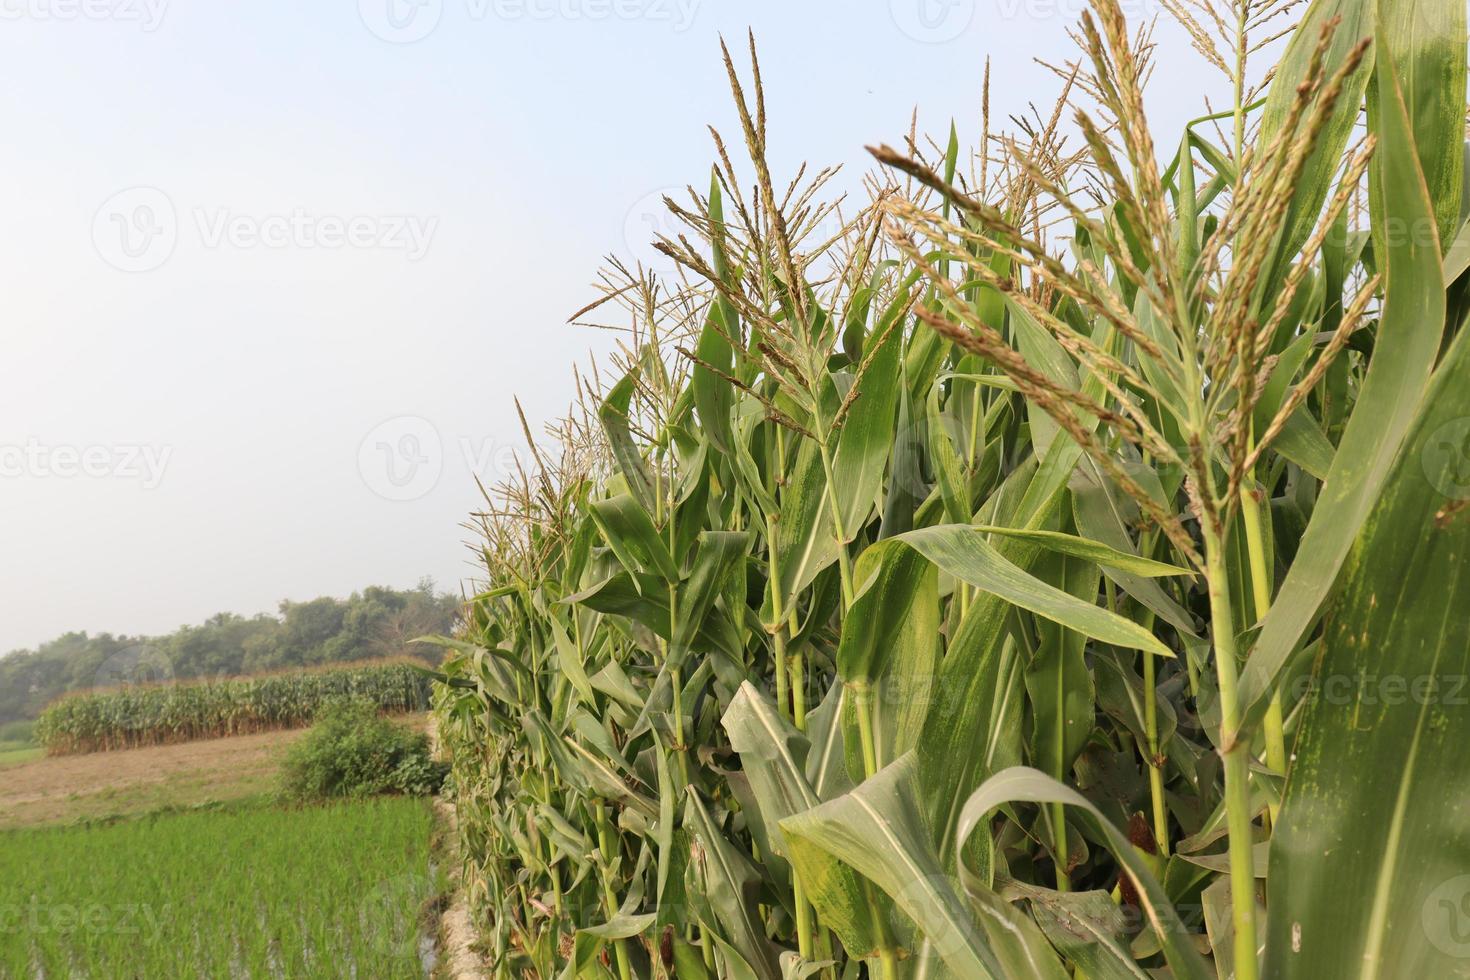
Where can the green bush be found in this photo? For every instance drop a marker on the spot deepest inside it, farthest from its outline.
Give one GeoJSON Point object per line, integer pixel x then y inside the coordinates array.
{"type": "Point", "coordinates": [352, 751]}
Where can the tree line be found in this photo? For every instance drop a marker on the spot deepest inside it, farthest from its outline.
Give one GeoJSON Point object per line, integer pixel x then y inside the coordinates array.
{"type": "Point", "coordinates": [374, 623]}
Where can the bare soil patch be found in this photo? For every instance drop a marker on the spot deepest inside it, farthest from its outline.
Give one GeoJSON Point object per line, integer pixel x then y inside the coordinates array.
{"type": "Point", "coordinates": [64, 789]}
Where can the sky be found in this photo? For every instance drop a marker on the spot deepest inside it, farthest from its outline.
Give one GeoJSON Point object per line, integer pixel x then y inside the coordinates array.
{"type": "Point", "coordinates": [272, 272]}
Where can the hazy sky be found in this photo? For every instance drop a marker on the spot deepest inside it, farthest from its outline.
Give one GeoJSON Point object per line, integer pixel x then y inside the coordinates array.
{"type": "Point", "coordinates": [272, 271]}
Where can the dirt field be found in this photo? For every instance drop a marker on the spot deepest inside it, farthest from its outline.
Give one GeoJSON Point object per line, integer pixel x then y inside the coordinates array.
{"type": "Point", "coordinates": [106, 784]}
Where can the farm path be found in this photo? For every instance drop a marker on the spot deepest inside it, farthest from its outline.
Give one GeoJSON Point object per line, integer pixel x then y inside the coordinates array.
{"type": "Point", "coordinates": [457, 928]}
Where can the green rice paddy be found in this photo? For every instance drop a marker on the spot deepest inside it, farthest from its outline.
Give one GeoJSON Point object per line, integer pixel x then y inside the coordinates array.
{"type": "Point", "coordinates": [250, 891]}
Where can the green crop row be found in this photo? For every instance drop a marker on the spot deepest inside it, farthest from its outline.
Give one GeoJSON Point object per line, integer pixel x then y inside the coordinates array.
{"type": "Point", "coordinates": [1032, 571]}
{"type": "Point", "coordinates": [134, 716]}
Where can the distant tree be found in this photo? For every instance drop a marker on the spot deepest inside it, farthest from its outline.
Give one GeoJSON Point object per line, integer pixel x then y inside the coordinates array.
{"type": "Point", "coordinates": [374, 623]}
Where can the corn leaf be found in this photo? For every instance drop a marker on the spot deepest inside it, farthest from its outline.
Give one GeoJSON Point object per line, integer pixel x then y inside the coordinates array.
{"type": "Point", "coordinates": [1369, 862]}
{"type": "Point", "coordinates": [1404, 350]}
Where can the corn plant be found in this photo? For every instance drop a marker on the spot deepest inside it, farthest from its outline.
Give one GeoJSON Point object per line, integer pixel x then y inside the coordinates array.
{"type": "Point", "coordinates": [157, 714]}
{"type": "Point", "coordinates": [961, 584]}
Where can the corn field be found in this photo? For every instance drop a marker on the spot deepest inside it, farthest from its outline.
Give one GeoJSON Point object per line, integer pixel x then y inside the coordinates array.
{"type": "Point", "coordinates": [1057, 572]}
{"type": "Point", "coordinates": [140, 715]}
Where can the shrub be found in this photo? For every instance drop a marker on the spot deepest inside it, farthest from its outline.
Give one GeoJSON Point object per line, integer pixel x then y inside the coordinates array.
{"type": "Point", "coordinates": [352, 751]}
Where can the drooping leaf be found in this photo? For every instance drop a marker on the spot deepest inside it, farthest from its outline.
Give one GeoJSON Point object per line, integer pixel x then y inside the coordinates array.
{"type": "Point", "coordinates": [878, 831]}
{"type": "Point", "coordinates": [613, 413]}
{"type": "Point", "coordinates": [1370, 865]}
{"type": "Point", "coordinates": [729, 883]}
{"type": "Point", "coordinates": [774, 756]}
{"type": "Point", "coordinates": [961, 551]}
{"type": "Point", "coordinates": [1090, 929]}
{"type": "Point", "coordinates": [629, 532]}
{"type": "Point", "coordinates": [1023, 784]}
{"type": "Point", "coordinates": [1404, 350]}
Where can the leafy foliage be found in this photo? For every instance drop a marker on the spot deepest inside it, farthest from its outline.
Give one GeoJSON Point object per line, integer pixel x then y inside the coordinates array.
{"type": "Point", "coordinates": [907, 603]}
{"type": "Point", "coordinates": [353, 751]}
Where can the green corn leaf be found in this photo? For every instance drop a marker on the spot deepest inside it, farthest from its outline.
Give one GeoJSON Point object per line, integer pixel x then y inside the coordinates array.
{"type": "Point", "coordinates": [1383, 730]}
{"type": "Point", "coordinates": [729, 883]}
{"type": "Point", "coordinates": [826, 763]}
{"type": "Point", "coordinates": [1356, 21]}
{"type": "Point", "coordinates": [1404, 350]}
{"type": "Point", "coordinates": [889, 649]}
{"type": "Point", "coordinates": [645, 601]}
{"type": "Point", "coordinates": [1103, 515]}
{"type": "Point", "coordinates": [1422, 42]}
{"type": "Point", "coordinates": [613, 413]}
{"type": "Point", "coordinates": [877, 830]}
{"type": "Point", "coordinates": [953, 487]}
{"type": "Point", "coordinates": [714, 397]}
{"type": "Point", "coordinates": [717, 557]}
{"type": "Point", "coordinates": [629, 532]}
{"type": "Point", "coordinates": [804, 543]}
{"type": "Point", "coordinates": [1088, 928]}
{"type": "Point", "coordinates": [971, 728]}
{"type": "Point", "coordinates": [895, 585]}
{"type": "Point", "coordinates": [1022, 784]}
{"type": "Point", "coordinates": [569, 660]}
{"type": "Point", "coordinates": [590, 942]}
{"type": "Point", "coordinates": [1057, 679]}
{"type": "Point", "coordinates": [866, 436]}
{"type": "Point", "coordinates": [774, 757]}
{"type": "Point", "coordinates": [1087, 549]}
{"type": "Point", "coordinates": [962, 552]}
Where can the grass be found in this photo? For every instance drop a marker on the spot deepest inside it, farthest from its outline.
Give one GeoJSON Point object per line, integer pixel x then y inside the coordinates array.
{"type": "Point", "coordinates": [18, 744]}
{"type": "Point", "coordinates": [248, 890]}
{"type": "Point", "coordinates": [14, 755]}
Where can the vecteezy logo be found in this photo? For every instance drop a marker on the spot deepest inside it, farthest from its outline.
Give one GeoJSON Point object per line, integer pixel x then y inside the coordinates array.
{"type": "Point", "coordinates": [140, 663]}
{"type": "Point", "coordinates": [1446, 917]}
{"type": "Point", "coordinates": [401, 21]}
{"type": "Point", "coordinates": [932, 21]}
{"type": "Point", "coordinates": [136, 230]}
{"type": "Point", "coordinates": [1446, 459]}
{"type": "Point", "coordinates": [648, 220]}
{"type": "Point", "coordinates": [134, 666]}
{"type": "Point", "coordinates": [389, 913]}
{"type": "Point", "coordinates": [402, 458]}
